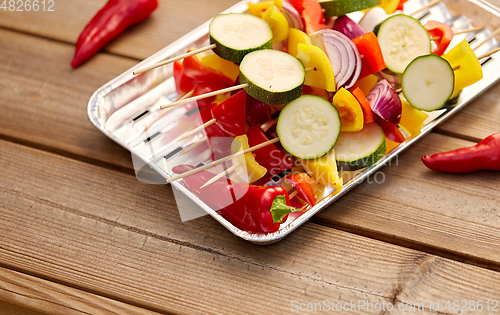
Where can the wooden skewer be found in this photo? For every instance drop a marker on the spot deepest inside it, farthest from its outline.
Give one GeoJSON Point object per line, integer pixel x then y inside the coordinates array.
{"type": "Point", "coordinates": [428, 5]}
{"type": "Point", "coordinates": [293, 194]}
{"type": "Point", "coordinates": [200, 97]}
{"type": "Point", "coordinates": [166, 62]}
{"type": "Point", "coordinates": [478, 28]}
{"type": "Point", "coordinates": [194, 145]}
{"type": "Point", "coordinates": [227, 158]}
{"type": "Point", "coordinates": [489, 53]}
{"type": "Point", "coordinates": [188, 94]}
{"type": "Point", "coordinates": [265, 126]}
{"type": "Point", "coordinates": [220, 175]}
{"type": "Point", "coordinates": [487, 38]}
{"type": "Point", "coordinates": [197, 129]}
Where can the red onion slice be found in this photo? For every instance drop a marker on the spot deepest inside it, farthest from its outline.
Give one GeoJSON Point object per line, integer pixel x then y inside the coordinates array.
{"type": "Point", "coordinates": [342, 53]}
{"type": "Point", "coordinates": [385, 102]}
{"type": "Point", "coordinates": [292, 16]}
{"type": "Point", "coordinates": [348, 27]}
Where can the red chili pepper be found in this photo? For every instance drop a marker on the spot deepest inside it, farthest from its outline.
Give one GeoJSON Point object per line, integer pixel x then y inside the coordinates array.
{"type": "Point", "coordinates": [391, 131]}
{"type": "Point", "coordinates": [372, 59]}
{"type": "Point", "coordinates": [365, 106]}
{"type": "Point", "coordinates": [483, 156]}
{"type": "Point", "coordinates": [255, 209]}
{"type": "Point", "coordinates": [443, 32]}
{"type": "Point", "coordinates": [302, 183]}
{"type": "Point", "coordinates": [108, 23]}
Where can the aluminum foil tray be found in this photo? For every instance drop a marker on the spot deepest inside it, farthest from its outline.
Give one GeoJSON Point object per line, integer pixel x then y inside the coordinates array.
{"type": "Point", "coordinates": [122, 107]}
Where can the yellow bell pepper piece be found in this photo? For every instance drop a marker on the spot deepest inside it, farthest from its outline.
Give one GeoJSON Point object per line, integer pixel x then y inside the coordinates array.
{"type": "Point", "coordinates": [254, 170]}
{"type": "Point", "coordinates": [389, 5]}
{"type": "Point", "coordinates": [350, 111]}
{"type": "Point", "coordinates": [296, 37]}
{"type": "Point", "coordinates": [228, 68]}
{"type": "Point", "coordinates": [324, 170]}
{"type": "Point", "coordinates": [278, 23]}
{"type": "Point", "coordinates": [465, 64]}
{"type": "Point", "coordinates": [258, 8]}
{"type": "Point", "coordinates": [390, 145]}
{"type": "Point", "coordinates": [320, 71]}
{"type": "Point", "coordinates": [411, 118]}
{"type": "Point", "coordinates": [366, 84]}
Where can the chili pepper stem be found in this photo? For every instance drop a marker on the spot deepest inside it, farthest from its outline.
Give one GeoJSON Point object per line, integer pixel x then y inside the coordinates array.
{"type": "Point", "coordinates": [200, 97]}
{"type": "Point", "coordinates": [166, 62]}
{"type": "Point", "coordinates": [428, 5]}
{"type": "Point", "coordinates": [220, 161]}
{"type": "Point", "coordinates": [188, 94]}
{"type": "Point", "coordinates": [487, 38]}
{"type": "Point", "coordinates": [218, 176]}
{"type": "Point", "coordinates": [194, 145]}
{"type": "Point", "coordinates": [197, 129]}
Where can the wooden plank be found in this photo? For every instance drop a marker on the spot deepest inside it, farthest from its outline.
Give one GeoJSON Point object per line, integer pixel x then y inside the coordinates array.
{"type": "Point", "coordinates": [405, 203]}
{"type": "Point", "coordinates": [10, 309]}
{"type": "Point", "coordinates": [44, 103]}
{"type": "Point", "coordinates": [24, 294]}
{"type": "Point", "coordinates": [170, 21]}
{"type": "Point", "coordinates": [58, 124]}
{"type": "Point", "coordinates": [101, 231]}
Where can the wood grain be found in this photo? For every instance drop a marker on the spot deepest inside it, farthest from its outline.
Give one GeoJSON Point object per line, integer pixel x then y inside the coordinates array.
{"type": "Point", "coordinates": [44, 102]}
{"type": "Point", "coordinates": [170, 21]}
{"type": "Point", "coordinates": [101, 231]}
{"type": "Point", "coordinates": [455, 215]}
{"type": "Point", "coordinates": [26, 294]}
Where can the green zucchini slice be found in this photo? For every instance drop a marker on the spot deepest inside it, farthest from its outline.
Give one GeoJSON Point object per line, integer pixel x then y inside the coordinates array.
{"type": "Point", "coordinates": [237, 34]}
{"type": "Point", "coordinates": [274, 77]}
{"type": "Point", "coordinates": [341, 7]}
{"type": "Point", "coordinates": [308, 127]}
{"type": "Point", "coordinates": [402, 39]}
{"type": "Point", "coordinates": [360, 149]}
{"type": "Point", "coordinates": [428, 82]}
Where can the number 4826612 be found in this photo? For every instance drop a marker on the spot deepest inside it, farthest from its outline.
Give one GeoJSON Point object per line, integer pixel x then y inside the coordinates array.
{"type": "Point", "coordinates": [27, 5]}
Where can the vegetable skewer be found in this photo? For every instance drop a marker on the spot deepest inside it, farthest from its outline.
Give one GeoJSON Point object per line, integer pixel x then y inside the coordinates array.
{"type": "Point", "coordinates": [220, 161]}
{"type": "Point", "coordinates": [188, 94]}
{"type": "Point", "coordinates": [197, 129]}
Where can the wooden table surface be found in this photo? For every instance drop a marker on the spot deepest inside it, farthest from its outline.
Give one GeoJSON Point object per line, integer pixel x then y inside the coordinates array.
{"type": "Point", "coordinates": [80, 235]}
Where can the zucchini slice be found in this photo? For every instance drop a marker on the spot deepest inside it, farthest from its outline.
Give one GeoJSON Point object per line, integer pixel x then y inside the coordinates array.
{"type": "Point", "coordinates": [308, 127]}
{"type": "Point", "coordinates": [237, 34]}
{"type": "Point", "coordinates": [357, 150]}
{"type": "Point", "coordinates": [274, 77]}
{"type": "Point", "coordinates": [341, 7]}
{"type": "Point", "coordinates": [402, 39]}
{"type": "Point", "coordinates": [428, 82]}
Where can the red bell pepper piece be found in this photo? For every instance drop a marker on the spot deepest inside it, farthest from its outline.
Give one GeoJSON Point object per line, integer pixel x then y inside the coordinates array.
{"type": "Point", "coordinates": [302, 183]}
{"type": "Point", "coordinates": [269, 156]}
{"type": "Point", "coordinates": [230, 114]}
{"type": "Point", "coordinates": [185, 83]}
{"type": "Point", "coordinates": [391, 131]}
{"type": "Point", "coordinates": [195, 69]}
{"type": "Point", "coordinates": [401, 5]}
{"type": "Point", "coordinates": [443, 32]}
{"type": "Point", "coordinates": [483, 156]}
{"type": "Point", "coordinates": [255, 209]}
{"type": "Point", "coordinates": [311, 13]}
{"type": "Point", "coordinates": [114, 18]}
{"type": "Point", "coordinates": [365, 106]}
{"type": "Point", "coordinates": [257, 112]}
{"type": "Point", "coordinates": [372, 60]}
